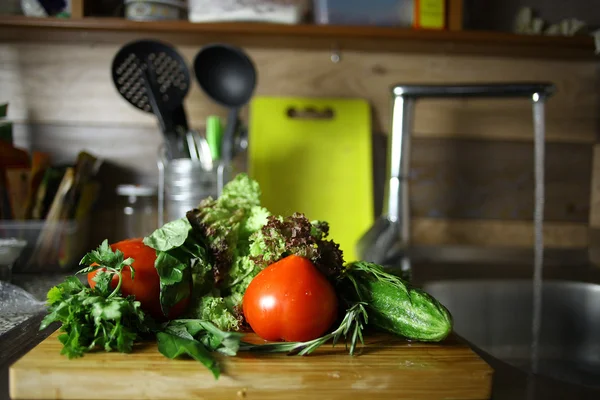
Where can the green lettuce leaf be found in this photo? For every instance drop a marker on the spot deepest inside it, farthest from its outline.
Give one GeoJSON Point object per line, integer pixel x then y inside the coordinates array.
{"type": "Point", "coordinates": [170, 236]}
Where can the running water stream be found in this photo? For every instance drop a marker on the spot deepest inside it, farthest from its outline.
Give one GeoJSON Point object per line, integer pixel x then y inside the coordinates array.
{"type": "Point", "coordinates": [538, 221]}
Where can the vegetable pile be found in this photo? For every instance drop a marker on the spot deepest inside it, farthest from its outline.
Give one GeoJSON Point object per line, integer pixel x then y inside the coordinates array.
{"type": "Point", "coordinates": [195, 284]}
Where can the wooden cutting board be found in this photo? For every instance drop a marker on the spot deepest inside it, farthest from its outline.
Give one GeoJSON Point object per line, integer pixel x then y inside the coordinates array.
{"type": "Point", "coordinates": [313, 155]}
{"type": "Point", "coordinates": [385, 368]}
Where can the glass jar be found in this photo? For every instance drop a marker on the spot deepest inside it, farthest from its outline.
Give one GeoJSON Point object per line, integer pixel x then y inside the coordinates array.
{"type": "Point", "coordinates": [137, 212]}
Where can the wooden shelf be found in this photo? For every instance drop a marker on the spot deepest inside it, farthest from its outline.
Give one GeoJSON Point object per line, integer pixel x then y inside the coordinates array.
{"type": "Point", "coordinates": [359, 38]}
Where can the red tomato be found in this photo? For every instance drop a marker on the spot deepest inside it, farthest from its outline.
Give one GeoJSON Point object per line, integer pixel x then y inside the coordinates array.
{"type": "Point", "coordinates": [146, 283]}
{"type": "Point", "coordinates": [290, 300]}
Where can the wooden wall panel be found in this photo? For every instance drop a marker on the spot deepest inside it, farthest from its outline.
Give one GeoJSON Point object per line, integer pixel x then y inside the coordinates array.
{"type": "Point", "coordinates": [490, 233]}
{"type": "Point", "coordinates": [472, 160]}
{"type": "Point", "coordinates": [462, 192]}
{"type": "Point", "coordinates": [595, 189]}
{"type": "Point", "coordinates": [451, 178]}
{"type": "Point", "coordinates": [71, 84]}
{"type": "Point", "coordinates": [481, 179]}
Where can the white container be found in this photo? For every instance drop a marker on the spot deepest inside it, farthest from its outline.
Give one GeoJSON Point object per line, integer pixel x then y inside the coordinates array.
{"type": "Point", "coordinates": [155, 10]}
{"type": "Point", "coordinates": [276, 11]}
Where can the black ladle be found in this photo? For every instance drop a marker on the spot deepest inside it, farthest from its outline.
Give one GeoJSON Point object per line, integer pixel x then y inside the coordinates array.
{"type": "Point", "coordinates": [228, 76]}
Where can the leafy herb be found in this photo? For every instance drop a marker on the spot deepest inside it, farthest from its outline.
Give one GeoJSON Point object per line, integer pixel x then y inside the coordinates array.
{"type": "Point", "coordinates": [351, 328]}
{"type": "Point", "coordinates": [172, 346]}
{"type": "Point", "coordinates": [206, 332]}
{"type": "Point", "coordinates": [197, 339]}
{"type": "Point", "coordinates": [177, 251]}
{"type": "Point", "coordinates": [99, 317]}
{"type": "Point", "coordinates": [171, 235]}
{"type": "Point", "coordinates": [109, 263]}
{"type": "Point", "coordinates": [175, 280]}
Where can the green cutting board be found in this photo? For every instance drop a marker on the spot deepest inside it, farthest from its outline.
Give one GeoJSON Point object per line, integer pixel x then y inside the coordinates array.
{"type": "Point", "coordinates": [319, 163]}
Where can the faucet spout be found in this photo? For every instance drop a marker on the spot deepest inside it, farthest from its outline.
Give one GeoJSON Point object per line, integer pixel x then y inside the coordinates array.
{"type": "Point", "coordinates": [388, 241]}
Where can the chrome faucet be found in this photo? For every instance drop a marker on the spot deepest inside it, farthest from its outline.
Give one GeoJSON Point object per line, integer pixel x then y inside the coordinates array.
{"type": "Point", "coordinates": [388, 241]}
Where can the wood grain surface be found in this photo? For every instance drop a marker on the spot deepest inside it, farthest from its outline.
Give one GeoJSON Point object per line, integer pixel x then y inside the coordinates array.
{"type": "Point", "coordinates": [385, 368]}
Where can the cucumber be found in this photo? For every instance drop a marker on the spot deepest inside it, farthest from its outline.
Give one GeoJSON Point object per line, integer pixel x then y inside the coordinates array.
{"type": "Point", "coordinates": [393, 305]}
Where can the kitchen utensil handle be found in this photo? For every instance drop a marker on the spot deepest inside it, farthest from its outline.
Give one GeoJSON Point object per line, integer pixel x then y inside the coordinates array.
{"type": "Point", "coordinates": [214, 136]}
{"type": "Point", "coordinates": [181, 129]}
{"type": "Point", "coordinates": [228, 138]}
{"type": "Point", "coordinates": [153, 102]}
{"type": "Point", "coordinates": [166, 124]}
{"type": "Point", "coordinates": [180, 119]}
{"type": "Point", "coordinates": [191, 146]}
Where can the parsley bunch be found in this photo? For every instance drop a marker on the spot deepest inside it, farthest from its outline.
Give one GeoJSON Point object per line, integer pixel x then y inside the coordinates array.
{"type": "Point", "coordinates": [101, 318]}
{"type": "Point", "coordinates": [98, 317]}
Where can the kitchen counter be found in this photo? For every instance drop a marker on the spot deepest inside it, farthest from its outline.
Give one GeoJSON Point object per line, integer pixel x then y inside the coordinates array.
{"type": "Point", "coordinates": [509, 382]}
{"type": "Point", "coordinates": [12, 320]}
{"type": "Point", "coordinates": [17, 342]}
{"type": "Point", "coordinates": [38, 286]}
{"type": "Point", "coordinates": [19, 331]}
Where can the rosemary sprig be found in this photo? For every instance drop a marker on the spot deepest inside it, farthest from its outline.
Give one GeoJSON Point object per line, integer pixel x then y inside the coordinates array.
{"type": "Point", "coordinates": [351, 326]}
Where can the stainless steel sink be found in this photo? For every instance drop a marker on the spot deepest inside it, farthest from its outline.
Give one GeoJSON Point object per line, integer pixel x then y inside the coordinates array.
{"type": "Point", "coordinates": [496, 317]}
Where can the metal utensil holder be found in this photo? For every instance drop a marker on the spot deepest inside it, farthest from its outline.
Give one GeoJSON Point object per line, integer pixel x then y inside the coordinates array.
{"type": "Point", "coordinates": [183, 183]}
{"type": "Point", "coordinates": [388, 240]}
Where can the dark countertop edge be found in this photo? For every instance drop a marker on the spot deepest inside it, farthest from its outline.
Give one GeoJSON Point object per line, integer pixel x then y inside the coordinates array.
{"type": "Point", "coordinates": [18, 341]}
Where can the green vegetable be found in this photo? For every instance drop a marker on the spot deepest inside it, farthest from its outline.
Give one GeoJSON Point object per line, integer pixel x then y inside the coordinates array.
{"type": "Point", "coordinates": [225, 226]}
{"type": "Point", "coordinates": [177, 250]}
{"type": "Point", "coordinates": [102, 318]}
{"type": "Point", "coordinates": [227, 222]}
{"type": "Point", "coordinates": [175, 279]}
{"type": "Point", "coordinates": [241, 239]}
{"type": "Point", "coordinates": [256, 219]}
{"type": "Point", "coordinates": [207, 333]}
{"type": "Point", "coordinates": [170, 236]}
{"type": "Point", "coordinates": [214, 308]}
{"type": "Point", "coordinates": [98, 317]}
{"type": "Point", "coordinates": [172, 346]}
{"type": "Point", "coordinates": [197, 339]}
{"type": "Point", "coordinates": [217, 249]}
{"type": "Point", "coordinates": [393, 305]}
{"type": "Point", "coordinates": [281, 237]}
{"type": "Point", "coordinates": [351, 328]}
{"type": "Point", "coordinates": [241, 192]}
